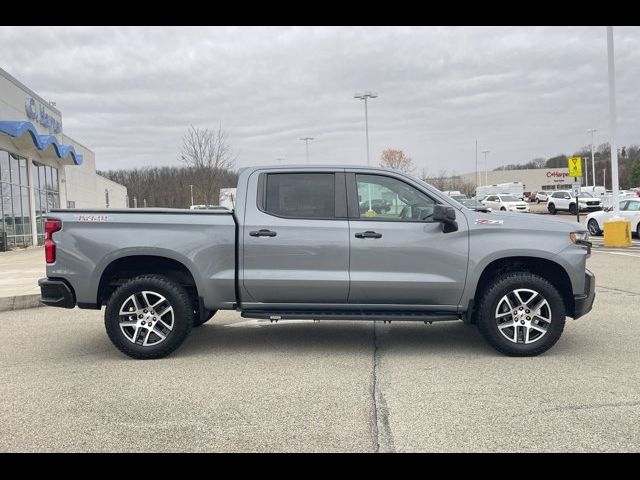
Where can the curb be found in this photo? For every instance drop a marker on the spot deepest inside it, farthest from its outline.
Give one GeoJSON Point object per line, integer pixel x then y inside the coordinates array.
{"type": "Point", "coordinates": [20, 302]}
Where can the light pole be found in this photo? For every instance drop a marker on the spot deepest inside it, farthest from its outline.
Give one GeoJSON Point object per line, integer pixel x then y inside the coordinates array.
{"type": "Point", "coordinates": [593, 162]}
{"type": "Point", "coordinates": [612, 123]}
{"type": "Point", "coordinates": [191, 194]}
{"type": "Point", "coordinates": [477, 180]}
{"type": "Point", "coordinates": [366, 96]}
{"type": "Point", "coordinates": [486, 167]}
{"type": "Point", "coordinates": [306, 141]}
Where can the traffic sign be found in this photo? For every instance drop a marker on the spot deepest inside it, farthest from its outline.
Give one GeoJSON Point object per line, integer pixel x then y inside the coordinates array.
{"type": "Point", "coordinates": [575, 166]}
{"type": "Point", "coordinates": [575, 187]}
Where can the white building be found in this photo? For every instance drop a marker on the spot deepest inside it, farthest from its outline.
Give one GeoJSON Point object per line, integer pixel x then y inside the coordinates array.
{"type": "Point", "coordinates": [42, 168]}
{"type": "Point", "coordinates": [534, 180]}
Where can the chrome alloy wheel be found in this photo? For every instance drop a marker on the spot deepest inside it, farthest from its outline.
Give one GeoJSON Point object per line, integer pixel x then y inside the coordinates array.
{"type": "Point", "coordinates": [523, 316]}
{"type": "Point", "coordinates": [146, 318]}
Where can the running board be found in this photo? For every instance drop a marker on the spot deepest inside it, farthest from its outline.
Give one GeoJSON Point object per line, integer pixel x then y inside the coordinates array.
{"type": "Point", "coordinates": [386, 315]}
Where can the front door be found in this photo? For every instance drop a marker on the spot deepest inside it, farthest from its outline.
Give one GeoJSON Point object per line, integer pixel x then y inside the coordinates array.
{"type": "Point", "coordinates": [399, 255]}
{"type": "Point", "coordinates": [296, 238]}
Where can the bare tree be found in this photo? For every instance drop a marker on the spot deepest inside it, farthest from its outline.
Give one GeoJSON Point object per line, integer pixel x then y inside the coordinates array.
{"type": "Point", "coordinates": [209, 154]}
{"type": "Point", "coordinates": [396, 159]}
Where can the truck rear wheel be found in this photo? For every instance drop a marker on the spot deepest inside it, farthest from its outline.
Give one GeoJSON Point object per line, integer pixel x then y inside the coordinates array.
{"type": "Point", "coordinates": [148, 317]}
{"type": "Point", "coordinates": [521, 314]}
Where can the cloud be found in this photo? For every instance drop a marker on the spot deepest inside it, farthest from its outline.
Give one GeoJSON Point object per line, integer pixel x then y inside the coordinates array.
{"type": "Point", "coordinates": [129, 93]}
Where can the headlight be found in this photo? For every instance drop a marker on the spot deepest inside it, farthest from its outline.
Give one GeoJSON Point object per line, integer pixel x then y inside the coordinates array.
{"type": "Point", "coordinates": [577, 237]}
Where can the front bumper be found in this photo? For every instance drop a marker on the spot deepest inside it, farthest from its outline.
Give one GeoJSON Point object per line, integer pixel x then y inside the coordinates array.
{"type": "Point", "coordinates": [584, 302]}
{"type": "Point", "coordinates": [56, 293]}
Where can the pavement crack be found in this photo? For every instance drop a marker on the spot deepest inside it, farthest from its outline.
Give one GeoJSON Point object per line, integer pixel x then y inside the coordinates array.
{"type": "Point", "coordinates": [591, 406]}
{"type": "Point", "coordinates": [602, 287]}
{"type": "Point", "coordinates": [383, 439]}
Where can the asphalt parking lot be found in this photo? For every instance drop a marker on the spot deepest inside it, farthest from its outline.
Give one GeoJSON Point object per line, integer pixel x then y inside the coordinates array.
{"type": "Point", "coordinates": [239, 385]}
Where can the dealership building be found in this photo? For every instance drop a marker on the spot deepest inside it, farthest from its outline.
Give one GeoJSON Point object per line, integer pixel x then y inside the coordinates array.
{"type": "Point", "coordinates": [41, 168]}
{"type": "Point", "coordinates": [533, 180]}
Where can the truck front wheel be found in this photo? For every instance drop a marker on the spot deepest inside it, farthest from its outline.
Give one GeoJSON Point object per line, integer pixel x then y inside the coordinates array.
{"type": "Point", "coordinates": [521, 314]}
{"type": "Point", "coordinates": [148, 317]}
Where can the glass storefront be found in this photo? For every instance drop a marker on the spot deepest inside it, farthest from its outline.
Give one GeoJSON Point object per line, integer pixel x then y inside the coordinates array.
{"type": "Point", "coordinates": [46, 193]}
{"type": "Point", "coordinates": [15, 212]}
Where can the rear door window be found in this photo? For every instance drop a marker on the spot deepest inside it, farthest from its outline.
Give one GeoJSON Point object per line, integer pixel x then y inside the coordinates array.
{"type": "Point", "coordinates": [300, 195]}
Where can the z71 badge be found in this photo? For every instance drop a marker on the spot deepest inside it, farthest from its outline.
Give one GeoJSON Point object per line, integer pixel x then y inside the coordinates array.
{"type": "Point", "coordinates": [486, 221]}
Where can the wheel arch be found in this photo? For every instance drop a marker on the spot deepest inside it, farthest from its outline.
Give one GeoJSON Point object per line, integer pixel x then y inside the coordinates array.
{"type": "Point", "coordinates": [124, 268]}
{"type": "Point", "coordinates": [551, 271]}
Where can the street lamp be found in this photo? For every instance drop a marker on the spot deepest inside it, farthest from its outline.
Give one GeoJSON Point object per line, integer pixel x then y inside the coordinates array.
{"type": "Point", "coordinates": [306, 141]}
{"type": "Point", "coordinates": [593, 162]}
{"type": "Point", "coordinates": [612, 123]}
{"type": "Point", "coordinates": [366, 96]}
{"type": "Point", "coordinates": [191, 194]}
{"type": "Point", "coordinates": [486, 167]}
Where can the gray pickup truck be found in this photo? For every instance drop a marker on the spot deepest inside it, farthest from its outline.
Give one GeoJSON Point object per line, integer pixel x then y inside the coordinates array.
{"type": "Point", "coordinates": [315, 243]}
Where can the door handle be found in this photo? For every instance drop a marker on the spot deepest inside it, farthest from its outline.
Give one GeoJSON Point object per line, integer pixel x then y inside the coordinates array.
{"type": "Point", "coordinates": [263, 233]}
{"type": "Point", "coordinates": [368, 234]}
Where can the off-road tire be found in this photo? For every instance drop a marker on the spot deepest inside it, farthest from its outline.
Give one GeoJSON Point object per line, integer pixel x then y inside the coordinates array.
{"type": "Point", "coordinates": [177, 297]}
{"type": "Point", "coordinates": [486, 319]}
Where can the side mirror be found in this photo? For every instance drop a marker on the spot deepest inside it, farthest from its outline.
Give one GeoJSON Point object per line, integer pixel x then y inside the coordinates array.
{"type": "Point", "coordinates": [446, 216]}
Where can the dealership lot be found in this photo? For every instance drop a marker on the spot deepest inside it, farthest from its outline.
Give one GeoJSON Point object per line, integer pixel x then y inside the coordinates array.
{"type": "Point", "coordinates": [239, 385]}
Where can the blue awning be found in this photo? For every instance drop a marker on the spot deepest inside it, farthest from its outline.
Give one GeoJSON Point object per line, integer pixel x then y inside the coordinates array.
{"type": "Point", "coordinates": [44, 143]}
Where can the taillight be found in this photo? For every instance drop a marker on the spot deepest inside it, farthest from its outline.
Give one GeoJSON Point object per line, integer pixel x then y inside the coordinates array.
{"type": "Point", "coordinates": [51, 225]}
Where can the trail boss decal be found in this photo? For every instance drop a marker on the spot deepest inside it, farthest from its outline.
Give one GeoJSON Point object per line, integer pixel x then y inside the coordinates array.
{"type": "Point", "coordinates": [92, 218]}
{"type": "Point", "coordinates": [486, 221]}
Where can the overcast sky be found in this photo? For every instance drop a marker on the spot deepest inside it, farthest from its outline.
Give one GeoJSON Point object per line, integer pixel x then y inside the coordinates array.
{"type": "Point", "coordinates": [130, 93]}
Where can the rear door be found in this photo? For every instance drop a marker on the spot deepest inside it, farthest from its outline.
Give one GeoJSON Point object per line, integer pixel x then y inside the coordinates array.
{"type": "Point", "coordinates": [295, 238]}
{"type": "Point", "coordinates": [400, 256]}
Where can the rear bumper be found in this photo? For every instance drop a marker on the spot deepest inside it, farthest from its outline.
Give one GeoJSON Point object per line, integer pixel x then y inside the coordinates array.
{"type": "Point", "coordinates": [583, 303]}
{"type": "Point", "coordinates": [56, 293]}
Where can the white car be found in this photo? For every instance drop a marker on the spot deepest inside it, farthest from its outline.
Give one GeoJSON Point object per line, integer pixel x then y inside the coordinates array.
{"type": "Point", "coordinates": [505, 203]}
{"type": "Point", "coordinates": [564, 200]}
{"type": "Point", "coordinates": [542, 196]}
{"type": "Point", "coordinates": [629, 209]}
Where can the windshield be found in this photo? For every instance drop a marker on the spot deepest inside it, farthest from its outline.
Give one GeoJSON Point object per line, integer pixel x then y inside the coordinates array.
{"type": "Point", "coordinates": [509, 198]}
{"type": "Point", "coordinates": [585, 195]}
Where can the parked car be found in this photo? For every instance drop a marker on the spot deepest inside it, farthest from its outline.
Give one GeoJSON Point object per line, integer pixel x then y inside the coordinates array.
{"type": "Point", "coordinates": [474, 204]}
{"type": "Point", "coordinates": [296, 246]}
{"type": "Point", "coordinates": [542, 196]}
{"type": "Point", "coordinates": [378, 205]}
{"type": "Point", "coordinates": [505, 203]}
{"type": "Point", "coordinates": [564, 200]}
{"type": "Point", "coordinates": [629, 209]}
{"type": "Point", "coordinates": [525, 196]}
{"type": "Point", "coordinates": [532, 196]}
{"type": "Point", "coordinates": [459, 197]}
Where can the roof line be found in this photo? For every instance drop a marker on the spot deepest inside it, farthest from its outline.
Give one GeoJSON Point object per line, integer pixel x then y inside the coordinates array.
{"type": "Point", "coordinates": [21, 85]}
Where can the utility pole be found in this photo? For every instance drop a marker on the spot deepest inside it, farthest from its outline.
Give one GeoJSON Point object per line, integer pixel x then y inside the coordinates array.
{"type": "Point", "coordinates": [593, 162]}
{"type": "Point", "coordinates": [191, 194]}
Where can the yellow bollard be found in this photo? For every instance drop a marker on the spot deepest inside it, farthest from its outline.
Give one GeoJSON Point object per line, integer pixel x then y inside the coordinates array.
{"type": "Point", "coordinates": [617, 233]}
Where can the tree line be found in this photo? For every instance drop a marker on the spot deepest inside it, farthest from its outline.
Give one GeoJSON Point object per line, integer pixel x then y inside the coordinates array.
{"type": "Point", "coordinates": [207, 166]}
